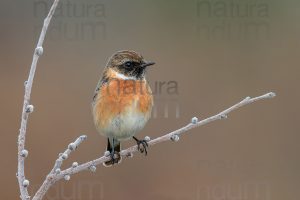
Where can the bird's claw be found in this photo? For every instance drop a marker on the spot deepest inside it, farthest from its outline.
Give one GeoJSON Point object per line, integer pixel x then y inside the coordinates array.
{"type": "Point", "coordinates": [114, 158]}
{"type": "Point", "coordinates": [142, 145]}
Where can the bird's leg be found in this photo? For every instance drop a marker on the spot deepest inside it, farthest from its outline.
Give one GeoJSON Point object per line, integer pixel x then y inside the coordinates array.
{"type": "Point", "coordinates": [112, 156]}
{"type": "Point", "coordinates": [111, 149]}
{"type": "Point", "coordinates": [142, 145]}
{"type": "Point", "coordinates": [114, 159]}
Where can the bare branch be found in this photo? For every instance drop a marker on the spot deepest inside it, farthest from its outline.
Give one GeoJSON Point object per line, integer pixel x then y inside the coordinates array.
{"type": "Point", "coordinates": [56, 169]}
{"type": "Point", "coordinates": [63, 156]}
{"type": "Point", "coordinates": [173, 136]}
{"type": "Point", "coordinates": [27, 108]}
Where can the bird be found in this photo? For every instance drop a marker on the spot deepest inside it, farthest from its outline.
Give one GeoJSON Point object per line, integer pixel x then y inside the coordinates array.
{"type": "Point", "coordinates": [122, 102]}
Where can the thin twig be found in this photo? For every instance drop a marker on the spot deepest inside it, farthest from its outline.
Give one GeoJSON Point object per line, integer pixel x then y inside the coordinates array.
{"type": "Point", "coordinates": [56, 168]}
{"type": "Point", "coordinates": [65, 155]}
{"type": "Point", "coordinates": [27, 108]}
{"type": "Point", "coordinates": [174, 136]}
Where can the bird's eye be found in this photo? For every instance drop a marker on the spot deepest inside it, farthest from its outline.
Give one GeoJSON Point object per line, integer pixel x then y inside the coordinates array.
{"type": "Point", "coordinates": [128, 64]}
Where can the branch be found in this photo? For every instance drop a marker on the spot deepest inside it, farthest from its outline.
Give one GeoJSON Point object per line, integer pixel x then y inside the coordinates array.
{"type": "Point", "coordinates": [173, 136]}
{"type": "Point", "coordinates": [27, 108]}
{"type": "Point", "coordinates": [56, 168]}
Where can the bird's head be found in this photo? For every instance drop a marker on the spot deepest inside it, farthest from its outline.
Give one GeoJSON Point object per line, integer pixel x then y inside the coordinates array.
{"type": "Point", "coordinates": [128, 65]}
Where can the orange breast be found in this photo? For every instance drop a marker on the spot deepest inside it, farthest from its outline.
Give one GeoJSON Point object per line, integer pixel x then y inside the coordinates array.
{"type": "Point", "coordinates": [117, 95]}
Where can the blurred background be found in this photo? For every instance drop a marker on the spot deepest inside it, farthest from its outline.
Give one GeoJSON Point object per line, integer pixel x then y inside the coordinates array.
{"type": "Point", "coordinates": [209, 55]}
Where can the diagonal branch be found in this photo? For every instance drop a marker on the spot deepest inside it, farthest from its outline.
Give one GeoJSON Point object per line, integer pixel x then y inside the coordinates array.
{"type": "Point", "coordinates": [63, 156]}
{"type": "Point", "coordinates": [173, 136]}
{"type": "Point", "coordinates": [27, 108]}
{"type": "Point", "coordinates": [56, 168]}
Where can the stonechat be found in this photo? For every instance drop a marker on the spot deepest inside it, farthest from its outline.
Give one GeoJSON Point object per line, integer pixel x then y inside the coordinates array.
{"type": "Point", "coordinates": [122, 102]}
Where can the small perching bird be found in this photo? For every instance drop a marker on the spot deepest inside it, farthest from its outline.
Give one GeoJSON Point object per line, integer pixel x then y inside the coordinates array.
{"type": "Point", "coordinates": [122, 102]}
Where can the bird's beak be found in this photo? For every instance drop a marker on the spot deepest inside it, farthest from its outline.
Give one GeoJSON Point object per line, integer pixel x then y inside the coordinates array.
{"type": "Point", "coordinates": [146, 64]}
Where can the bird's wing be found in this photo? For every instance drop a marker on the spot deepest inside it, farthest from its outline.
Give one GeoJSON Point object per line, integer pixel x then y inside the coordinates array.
{"type": "Point", "coordinates": [102, 81]}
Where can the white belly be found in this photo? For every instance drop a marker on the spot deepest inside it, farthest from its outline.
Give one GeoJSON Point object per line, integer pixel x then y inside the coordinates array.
{"type": "Point", "coordinates": [126, 125]}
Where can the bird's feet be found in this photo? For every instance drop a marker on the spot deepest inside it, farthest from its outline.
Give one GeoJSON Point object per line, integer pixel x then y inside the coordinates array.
{"type": "Point", "coordinates": [142, 145]}
{"type": "Point", "coordinates": [115, 158]}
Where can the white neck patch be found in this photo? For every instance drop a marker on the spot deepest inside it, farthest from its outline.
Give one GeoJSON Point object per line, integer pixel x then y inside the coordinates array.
{"type": "Point", "coordinates": [124, 77]}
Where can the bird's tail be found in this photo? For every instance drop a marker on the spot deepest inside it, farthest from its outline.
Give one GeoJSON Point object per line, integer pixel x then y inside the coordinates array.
{"type": "Point", "coordinates": [116, 148]}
